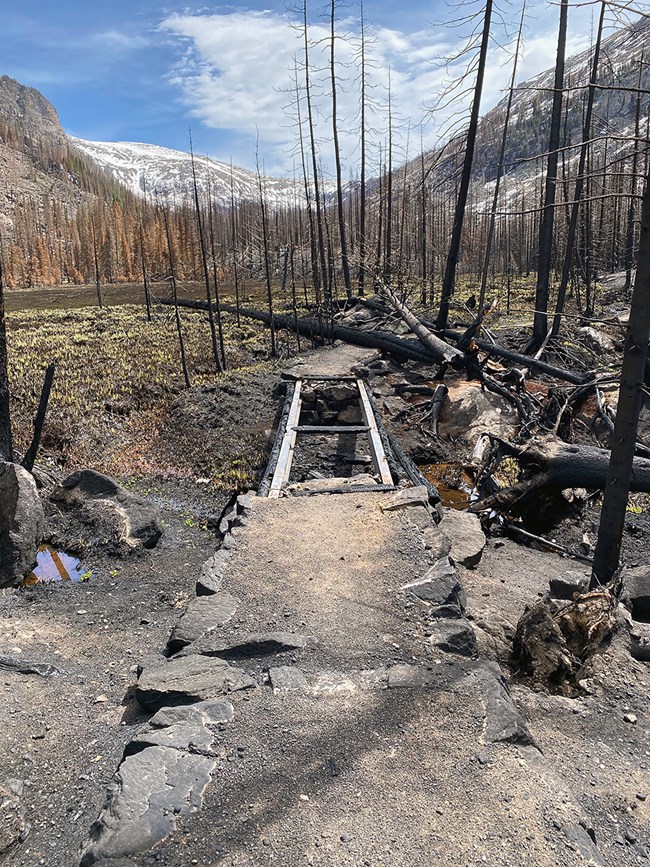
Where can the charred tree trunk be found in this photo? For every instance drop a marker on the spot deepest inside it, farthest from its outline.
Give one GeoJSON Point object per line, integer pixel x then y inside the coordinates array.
{"type": "Point", "coordinates": [449, 279]}
{"type": "Point", "coordinates": [32, 451]}
{"type": "Point", "coordinates": [540, 323]}
{"type": "Point", "coordinates": [623, 472]}
{"type": "Point", "coordinates": [172, 277]}
{"type": "Point", "coordinates": [580, 180]}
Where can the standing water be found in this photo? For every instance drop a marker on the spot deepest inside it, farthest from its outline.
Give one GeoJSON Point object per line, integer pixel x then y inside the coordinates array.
{"type": "Point", "coordinates": [53, 565]}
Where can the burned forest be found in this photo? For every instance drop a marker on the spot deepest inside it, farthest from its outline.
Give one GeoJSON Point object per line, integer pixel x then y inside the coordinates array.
{"type": "Point", "coordinates": [325, 483]}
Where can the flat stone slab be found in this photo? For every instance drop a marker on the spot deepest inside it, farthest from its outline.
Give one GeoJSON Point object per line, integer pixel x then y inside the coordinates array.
{"type": "Point", "coordinates": [504, 722]}
{"type": "Point", "coordinates": [246, 646]}
{"type": "Point", "coordinates": [188, 679]}
{"type": "Point", "coordinates": [151, 790]}
{"type": "Point", "coordinates": [286, 678]}
{"type": "Point", "coordinates": [463, 530]}
{"type": "Point", "coordinates": [203, 614]}
{"type": "Point", "coordinates": [406, 499]}
{"type": "Point", "coordinates": [215, 712]}
{"type": "Point", "coordinates": [188, 736]}
{"type": "Point", "coordinates": [454, 636]}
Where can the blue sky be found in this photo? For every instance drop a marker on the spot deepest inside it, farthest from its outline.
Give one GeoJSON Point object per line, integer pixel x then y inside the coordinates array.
{"type": "Point", "coordinates": [144, 71]}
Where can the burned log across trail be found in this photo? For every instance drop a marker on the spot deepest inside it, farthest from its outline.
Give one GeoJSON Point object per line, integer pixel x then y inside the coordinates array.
{"type": "Point", "coordinates": [318, 330]}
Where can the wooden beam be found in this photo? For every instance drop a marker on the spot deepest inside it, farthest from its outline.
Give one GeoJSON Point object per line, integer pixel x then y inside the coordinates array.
{"type": "Point", "coordinates": [376, 447]}
{"type": "Point", "coordinates": [285, 459]}
{"type": "Point", "coordinates": [344, 489]}
{"type": "Point", "coordinates": [338, 429]}
{"type": "Point", "coordinates": [265, 484]}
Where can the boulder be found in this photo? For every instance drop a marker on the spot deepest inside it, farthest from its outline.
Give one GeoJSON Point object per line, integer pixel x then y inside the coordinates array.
{"type": "Point", "coordinates": [463, 529]}
{"type": "Point", "coordinates": [469, 411]}
{"type": "Point", "coordinates": [596, 340]}
{"type": "Point", "coordinates": [636, 592]}
{"type": "Point", "coordinates": [188, 679]}
{"type": "Point", "coordinates": [21, 523]}
{"type": "Point", "coordinates": [120, 519]}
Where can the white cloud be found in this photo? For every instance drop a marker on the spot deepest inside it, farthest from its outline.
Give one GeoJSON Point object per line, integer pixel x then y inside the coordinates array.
{"type": "Point", "coordinates": [118, 41]}
{"type": "Point", "coordinates": [235, 71]}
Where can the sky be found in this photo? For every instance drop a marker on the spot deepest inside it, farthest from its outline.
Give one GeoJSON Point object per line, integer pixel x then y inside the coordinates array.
{"type": "Point", "coordinates": [145, 71]}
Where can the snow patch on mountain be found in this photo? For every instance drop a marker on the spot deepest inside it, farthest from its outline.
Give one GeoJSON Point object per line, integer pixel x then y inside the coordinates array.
{"type": "Point", "coordinates": [166, 173]}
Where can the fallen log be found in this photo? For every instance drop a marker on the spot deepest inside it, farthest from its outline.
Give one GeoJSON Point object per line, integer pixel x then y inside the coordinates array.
{"type": "Point", "coordinates": [525, 360]}
{"type": "Point", "coordinates": [438, 348]}
{"type": "Point", "coordinates": [561, 465]}
{"type": "Point", "coordinates": [496, 350]}
{"type": "Point", "coordinates": [404, 348]}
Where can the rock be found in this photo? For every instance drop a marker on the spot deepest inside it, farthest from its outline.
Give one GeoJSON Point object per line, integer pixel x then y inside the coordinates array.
{"type": "Point", "coordinates": [436, 542]}
{"type": "Point", "coordinates": [454, 636]}
{"type": "Point", "coordinates": [350, 415]}
{"type": "Point", "coordinates": [463, 529]}
{"type": "Point", "coordinates": [213, 712]}
{"type": "Point", "coordinates": [244, 646]}
{"type": "Point", "coordinates": [408, 677]}
{"type": "Point", "coordinates": [120, 519]}
{"type": "Point", "coordinates": [494, 634]}
{"type": "Point", "coordinates": [630, 718]}
{"type": "Point", "coordinates": [636, 592]}
{"type": "Point", "coordinates": [13, 823]}
{"type": "Point", "coordinates": [152, 790]}
{"type": "Point", "coordinates": [567, 585]}
{"type": "Point", "coordinates": [406, 499]}
{"type": "Point", "coordinates": [21, 523]}
{"type": "Point", "coordinates": [596, 340]}
{"type": "Point", "coordinates": [188, 679]}
{"type": "Point", "coordinates": [504, 723]}
{"type": "Point", "coordinates": [202, 614]}
{"type": "Point", "coordinates": [25, 666]}
{"type": "Point", "coordinates": [211, 576]}
{"type": "Point", "coordinates": [469, 411]}
{"type": "Point", "coordinates": [440, 587]}
{"type": "Point", "coordinates": [191, 735]}
{"type": "Point", "coordinates": [286, 678]}
{"type": "Point", "coordinates": [585, 844]}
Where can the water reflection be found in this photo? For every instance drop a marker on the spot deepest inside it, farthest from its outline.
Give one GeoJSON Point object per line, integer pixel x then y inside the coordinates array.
{"type": "Point", "coordinates": [53, 565]}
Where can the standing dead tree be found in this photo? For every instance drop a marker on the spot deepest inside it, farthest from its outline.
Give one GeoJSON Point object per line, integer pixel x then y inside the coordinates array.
{"type": "Point", "coordinates": [540, 322]}
{"type": "Point", "coordinates": [449, 279]}
{"type": "Point", "coordinates": [622, 462]}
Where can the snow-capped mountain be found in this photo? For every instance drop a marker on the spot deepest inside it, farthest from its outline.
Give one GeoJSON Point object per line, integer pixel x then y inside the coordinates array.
{"type": "Point", "coordinates": [167, 173]}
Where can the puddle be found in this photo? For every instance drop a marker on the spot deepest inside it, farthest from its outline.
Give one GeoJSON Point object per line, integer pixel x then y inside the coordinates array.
{"type": "Point", "coordinates": [455, 485]}
{"type": "Point", "coordinates": [53, 565]}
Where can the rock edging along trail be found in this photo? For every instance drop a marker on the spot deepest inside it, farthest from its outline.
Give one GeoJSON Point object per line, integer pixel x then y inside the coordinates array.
{"type": "Point", "coordinates": [220, 666]}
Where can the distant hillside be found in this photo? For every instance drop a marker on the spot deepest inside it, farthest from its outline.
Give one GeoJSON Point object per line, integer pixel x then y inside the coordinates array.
{"type": "Point", "coordinates": [531, 107]}
{"type": "Point", "coordinates": [168, 173]}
